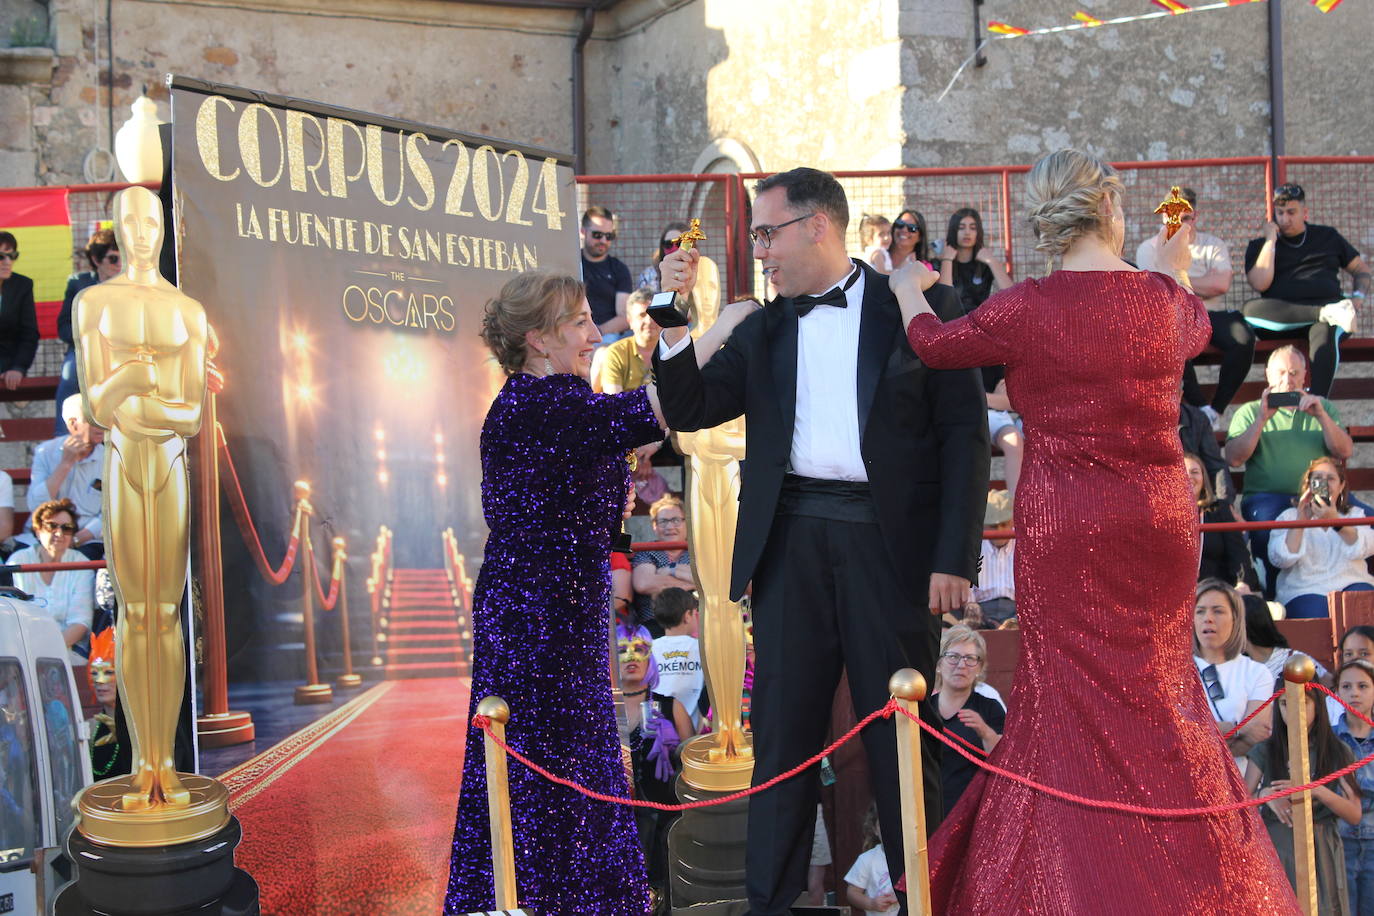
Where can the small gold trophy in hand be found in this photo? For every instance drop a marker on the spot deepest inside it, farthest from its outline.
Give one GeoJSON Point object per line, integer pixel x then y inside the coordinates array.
{"type": "Point", "coordinates": [1173, 208]}
{"type": "Point", "coordinates": [663, 308]}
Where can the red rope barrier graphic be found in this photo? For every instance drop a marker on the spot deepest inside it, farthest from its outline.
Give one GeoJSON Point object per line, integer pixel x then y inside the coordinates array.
{"type": "Point", "coordinates": [326, 603]}
{"type": "Point", "coordinates": [239, 506]}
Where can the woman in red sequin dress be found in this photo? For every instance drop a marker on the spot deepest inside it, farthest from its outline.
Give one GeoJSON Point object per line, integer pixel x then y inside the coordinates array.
{"type": "Point", "coordinates": [1106, 702]}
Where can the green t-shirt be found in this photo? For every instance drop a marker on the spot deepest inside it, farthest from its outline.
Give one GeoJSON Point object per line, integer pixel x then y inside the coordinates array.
{"type": "Point", "coordinates": [623, 365]}
{"type": "Point", "coordinates": [1287, 445]}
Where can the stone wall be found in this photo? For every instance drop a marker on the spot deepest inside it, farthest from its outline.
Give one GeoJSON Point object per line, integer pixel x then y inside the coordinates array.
{"type": "Point", "coordinates": [485, 70]}
{"type": "Point", "coordinates": [677, 85]}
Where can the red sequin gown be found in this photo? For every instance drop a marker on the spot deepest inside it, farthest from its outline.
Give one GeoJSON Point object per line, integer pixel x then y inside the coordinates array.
{"type": "Point", "coordinates": [1106, 701]}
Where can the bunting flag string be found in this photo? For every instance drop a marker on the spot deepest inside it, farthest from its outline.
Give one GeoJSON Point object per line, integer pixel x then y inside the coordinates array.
{"type": "Point", "coordinates": [1165, 8]}
{"type": "Point", "coordinates": [1002, 30]}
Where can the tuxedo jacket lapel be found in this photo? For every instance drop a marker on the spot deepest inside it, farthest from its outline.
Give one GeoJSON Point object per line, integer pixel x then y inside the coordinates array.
{"type": "Point", "coordinates": [783, 351]}
{"type": "Point", "coordinates": [879, 322]}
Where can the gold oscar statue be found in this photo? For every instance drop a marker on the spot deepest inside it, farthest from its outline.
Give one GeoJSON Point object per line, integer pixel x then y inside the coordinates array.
{"type": "Point", "coordinates": [723, 760]}
{"type": "Point", "coordinates": [141, 356]}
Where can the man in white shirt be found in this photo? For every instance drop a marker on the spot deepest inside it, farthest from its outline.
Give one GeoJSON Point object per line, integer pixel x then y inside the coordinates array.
{"type": "Point", "coordinates": [996, 588]}
{"type": "Point", "coordinates": [70, 467]}
{"type": "Point", "coordinates": [1211, 272]}
{"type": "Point", "coordinates": [861, 504]}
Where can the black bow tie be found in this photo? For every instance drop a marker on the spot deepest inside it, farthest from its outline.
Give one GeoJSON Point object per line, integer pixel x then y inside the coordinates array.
{"type": "Point", "coordinates": [834, 296]}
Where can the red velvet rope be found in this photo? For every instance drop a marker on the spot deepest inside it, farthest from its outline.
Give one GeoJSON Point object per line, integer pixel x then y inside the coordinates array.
{"type": "Point", "coordinates": [1246, 721]}
{"type": "Point", "coordinates": [958, 745]}
{"type": "Point", "coordinates": [882, 712]}
{"type": "Point", "coordinates": [239, 505]}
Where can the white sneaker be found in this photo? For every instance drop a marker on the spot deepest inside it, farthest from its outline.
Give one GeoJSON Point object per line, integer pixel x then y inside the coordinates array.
{"type": "Point", "coordinates": [1213, 417]}
{"type": "Point", "coordinates": [1339, 315]}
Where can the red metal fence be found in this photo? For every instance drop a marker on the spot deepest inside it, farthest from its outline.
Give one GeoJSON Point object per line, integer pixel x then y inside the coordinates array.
{"type": "Point", "coordinates": [1233, 203]}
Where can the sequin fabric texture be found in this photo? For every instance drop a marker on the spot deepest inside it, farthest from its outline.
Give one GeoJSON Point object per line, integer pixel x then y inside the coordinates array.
{"type": "Point", "coordinates": [554, 482]}
{"type": "Point", "coordinates": [1106, 702]}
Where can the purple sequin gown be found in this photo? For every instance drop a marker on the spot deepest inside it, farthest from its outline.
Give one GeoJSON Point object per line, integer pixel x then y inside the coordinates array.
{"type": "Point", "coordinates": [554, 482]}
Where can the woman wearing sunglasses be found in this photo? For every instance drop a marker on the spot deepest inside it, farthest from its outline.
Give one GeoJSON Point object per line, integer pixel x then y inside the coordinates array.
{"type": "Point", "coordinates": [909, 241]}
{"type": "Point", "coordinates": [69, 595]}
{"type": "Point", "coordinates": [102, 253]}
{"type": "Point", "coordinates": [18, 320]}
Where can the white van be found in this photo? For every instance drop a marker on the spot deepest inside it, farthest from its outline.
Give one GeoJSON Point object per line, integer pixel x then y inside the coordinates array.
{"type": "Point", "coordinates": [44, 758]}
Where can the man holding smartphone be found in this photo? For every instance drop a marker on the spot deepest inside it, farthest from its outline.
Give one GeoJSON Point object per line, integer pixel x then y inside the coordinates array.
{"type": "Point", "coordinates": [1275, 438]}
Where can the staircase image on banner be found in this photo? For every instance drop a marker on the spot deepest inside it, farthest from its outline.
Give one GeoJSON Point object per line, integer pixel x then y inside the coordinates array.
{"type": "Point", "coordinates": [424, 619]}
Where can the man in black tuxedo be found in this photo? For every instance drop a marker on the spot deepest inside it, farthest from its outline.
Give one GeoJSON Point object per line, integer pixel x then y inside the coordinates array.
{"type": "Point", "coordinates": [18, 321]}
{"type": "Point", "coordinates": [861, 505]}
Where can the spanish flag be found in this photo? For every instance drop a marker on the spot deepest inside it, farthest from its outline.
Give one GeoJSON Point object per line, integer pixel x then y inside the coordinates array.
{"type": "Point", "coordinates": [1326, 6]}
{"type": "Point", "coordinates": [1172, 6]}
{"type": "Point", "coordinates": [1089, 21]}
{"type": "Point", "coordinates": [1001, 28]}
{"type": "Point", "coordinates": [39, 219]}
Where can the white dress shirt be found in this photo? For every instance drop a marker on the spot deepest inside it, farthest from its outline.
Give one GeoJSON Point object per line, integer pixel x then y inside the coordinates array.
{"type": "Point", "coordinates": [996, 573]}
{"type": "Point", "coordinates": [825, 431]}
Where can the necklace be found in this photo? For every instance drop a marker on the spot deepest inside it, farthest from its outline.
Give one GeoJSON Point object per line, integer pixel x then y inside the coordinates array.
{"type": "Point", "coordinates": [635, 693]}
{"type": "Point", "coordinates": [1299, 242]}
{"type": "Point", "coordinates": [109, 765]}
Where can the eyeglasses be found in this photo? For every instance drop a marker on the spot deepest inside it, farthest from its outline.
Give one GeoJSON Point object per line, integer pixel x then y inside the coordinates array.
{"type": "Point", "coordinates": [669, 520]}
{"type": "Point", "coordinates": [599, 235]}
{"type": "Point", "coordinates": [54, 528]}
{"type": "Point", "coordinates": [9, 255]}
{"type": "Point", "coordinates": [966, 661]}
{"type": "Point", "coordinates": [111, 258]}
{"type": "Point", "coordinates": [763, 235]}
{"type": "Point", "coordinates": [903, 224]}
{"type": "Point", "coordinates": [1289, 192]}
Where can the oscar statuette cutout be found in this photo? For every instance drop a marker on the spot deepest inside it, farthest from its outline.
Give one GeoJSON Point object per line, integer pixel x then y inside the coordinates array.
{"type": "Point", "coordinates": [155, 841]}
{"type": "Point", "coordinates": [706, 845]}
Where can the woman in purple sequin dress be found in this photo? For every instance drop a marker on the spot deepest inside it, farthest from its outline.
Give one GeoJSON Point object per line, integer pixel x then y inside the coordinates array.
{"type": "Point", "coordinates": [554, 483]}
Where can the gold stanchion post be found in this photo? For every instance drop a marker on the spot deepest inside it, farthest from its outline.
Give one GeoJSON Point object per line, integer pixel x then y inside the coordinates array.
{"type": "Point", "coordinates": [908, 687]}
{"type": "Point", "coordinates": [217, 725]}
{"type": "Point", "coordinates": [312, 691]}
{"type": "Point", "coordinates": [339, 574]}
{"type": "Point", "coordinates": [1296, 674]}
{"type": "Point", "coordinates": [498, 803]}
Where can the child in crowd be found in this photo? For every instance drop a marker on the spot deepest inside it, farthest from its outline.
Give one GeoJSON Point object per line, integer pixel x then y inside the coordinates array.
{"type": "Point", "coordinates": [875, 234]}
{"type": "Point", "coordinates": [1355, 683]}
{"type": "Point", "coordinates": [658, 724]}
{"type": "Point", "coordinates": [1337, 800]}
{"type": "Point", "coordinates": [869, 885]}
{"type": "Point", "coordinates": [677, 654]}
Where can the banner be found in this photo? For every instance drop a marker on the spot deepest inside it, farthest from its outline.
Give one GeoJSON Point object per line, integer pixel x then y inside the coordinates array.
{"type": "Point", "coordinates": [344, 260]}
{"type": "Point", "coordinates": [39, 220]}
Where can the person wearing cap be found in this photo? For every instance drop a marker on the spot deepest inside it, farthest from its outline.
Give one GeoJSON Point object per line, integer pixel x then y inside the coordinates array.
{"type": "Point", "coordinates": [996, 589]}
{"type": "Point", "coordinates": [1295, 267]}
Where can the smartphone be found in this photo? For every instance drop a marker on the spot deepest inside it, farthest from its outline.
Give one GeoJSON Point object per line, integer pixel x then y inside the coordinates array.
{"type": "Point", "coordinates": [664, 311]}
{"type": "Point", "coordinates": [1321, 491]}
{"type": "Point", "coordinates": [1285, 398]}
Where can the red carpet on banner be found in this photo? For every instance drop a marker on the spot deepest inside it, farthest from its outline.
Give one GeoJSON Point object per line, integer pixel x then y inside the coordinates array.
{"type": "Point", "coordinates": [354, 814]}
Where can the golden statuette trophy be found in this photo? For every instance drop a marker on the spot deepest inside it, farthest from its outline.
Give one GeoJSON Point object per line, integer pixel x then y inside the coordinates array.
{"type": "Point", "coordinates": [141, 356]}
{"type": "Point", "coordinates": [1172, 209]}
{"type": "Point", "coordinates": [722, 761]}
{"type": "Point", "coordinates": [663, 308]}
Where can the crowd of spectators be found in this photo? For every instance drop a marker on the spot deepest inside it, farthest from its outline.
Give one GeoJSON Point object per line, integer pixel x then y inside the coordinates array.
{"type": "Point", "coordinates": [1290, 443]}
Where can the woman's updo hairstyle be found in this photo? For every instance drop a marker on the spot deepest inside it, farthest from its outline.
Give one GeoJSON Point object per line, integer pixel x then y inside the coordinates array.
{"type": "Point", "coordinates": [1065, 190]}
{"type": "Point", "coordinates": [530, 302]}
